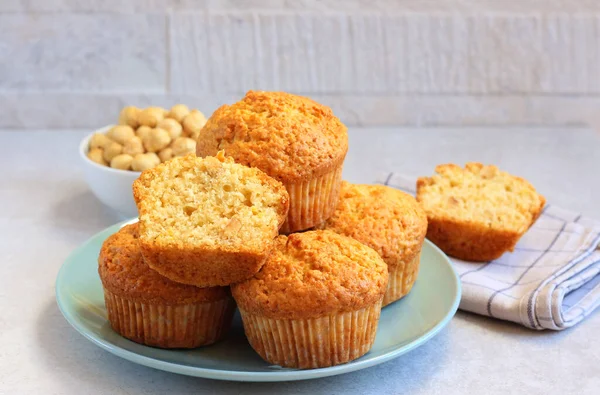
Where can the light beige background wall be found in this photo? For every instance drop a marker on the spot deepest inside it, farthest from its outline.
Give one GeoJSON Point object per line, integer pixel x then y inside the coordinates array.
{"type": "Point", "coordinates": [74, 63]}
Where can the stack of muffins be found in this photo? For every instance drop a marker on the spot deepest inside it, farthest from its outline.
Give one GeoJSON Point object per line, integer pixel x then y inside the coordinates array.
{"type": "Point", "coordinates": [261, 218]}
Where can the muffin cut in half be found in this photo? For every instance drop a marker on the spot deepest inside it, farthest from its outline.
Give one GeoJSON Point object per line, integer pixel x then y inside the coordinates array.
{"type": "Point", "coordinates": [316, 302]}
{"type": "Point", "coordinates": [148, 308]}
{"type": "Point", "coordinates": [291, 138]}
{"type": "Point", "coordinates": [479, 212]}
{"type": "Point", "coordinates": [389, 221]}
{"type": "Point", "coordinates": [208, 221]}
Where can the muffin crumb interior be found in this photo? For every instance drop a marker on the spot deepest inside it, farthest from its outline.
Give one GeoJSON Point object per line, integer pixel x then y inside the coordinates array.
{"type": "Point", "coordinates": [480, 194]}
{"type": "Point", "coordinates": [208, 201]}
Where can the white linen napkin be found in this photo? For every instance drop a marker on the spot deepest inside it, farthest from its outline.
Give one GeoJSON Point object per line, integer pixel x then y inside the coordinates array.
{"type": "Point", "coordinates": [550, 281]}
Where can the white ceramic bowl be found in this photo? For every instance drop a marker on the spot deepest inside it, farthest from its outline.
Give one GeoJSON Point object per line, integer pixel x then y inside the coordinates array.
{"type": "Point", "coordinates": [111, 186]}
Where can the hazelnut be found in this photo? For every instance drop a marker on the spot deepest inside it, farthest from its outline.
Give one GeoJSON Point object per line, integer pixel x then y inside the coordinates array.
{"type": "Point", "coordinates": [97, 155]}
{"type": "Point", "coordinates": [133, 146]}
{"type": "Point", "coordinates": [120, 133]}
{"type": "Point", "coordinates": [111, 150]}
{"type": "Point", "coordinates": [143, 162]}
{"type": "Point", "coordinates": [151, 116]}
{"type": "Point", "coordinates": [183, 146]}
{"type": "Point", "coordinates": [129, 116]}
{"type": "Point", "coordinates": [165, 154]}
{"type": "Point", "coordinates": [153, 157]}
{"type": "Point", "coordinates": [178, 112]}
{"type": "Point", "coordinates": [171, 126]}
{"type": "Point", "coordinates": [156, 140]}
{"type": "Point", "coordinates": [122, 162]}
{"type": "Point", "coordinates": [99, 140]}
{"type": "Point", "coordinates": [143, 131]}
{"type": "Point", "coordinates": [193, 124]}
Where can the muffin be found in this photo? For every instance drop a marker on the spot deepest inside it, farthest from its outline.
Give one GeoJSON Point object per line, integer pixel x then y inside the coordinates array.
{"type": "Point", "coordinates": [208, 221]}
{"type": "Point", "coordinates": [477, 213]}
{"type": "Point", "coordinates": [389, 221]}
{"type": "Point", "coordinates": [150, 309]}
{"type": "Point", "coordinates": [316, 302]}
{"type": "Point", "coordinates": [291, 138]}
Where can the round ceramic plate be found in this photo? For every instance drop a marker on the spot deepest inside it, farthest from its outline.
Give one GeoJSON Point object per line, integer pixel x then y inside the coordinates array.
{"type": "Point", "coordinates": [404, 325]}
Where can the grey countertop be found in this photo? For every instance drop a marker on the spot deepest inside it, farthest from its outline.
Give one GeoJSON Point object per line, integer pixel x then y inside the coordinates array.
{"type": "Point", "coordinates": [47, 210]}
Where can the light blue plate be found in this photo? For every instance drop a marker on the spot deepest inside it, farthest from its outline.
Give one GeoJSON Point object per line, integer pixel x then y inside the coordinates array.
{"type": "Point", "coordinates": [404, 325]}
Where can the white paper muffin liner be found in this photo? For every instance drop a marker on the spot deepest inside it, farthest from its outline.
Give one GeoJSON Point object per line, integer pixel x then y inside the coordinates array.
{"type": "Point", "coordinates": [401, 280]}
{"type": "Point", "coordinates": [316, 342]}
{"type": "Point", "coordinates": [164, 326]}
{"type": "Point", "coordinates": [313, 201]}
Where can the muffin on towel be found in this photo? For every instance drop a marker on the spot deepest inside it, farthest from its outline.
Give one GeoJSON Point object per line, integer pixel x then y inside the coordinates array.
{"type": "Point", "coordinates": [316, 301]}
{"type": "Point", "coordinates": [208, 221]}
{"type": "Point", "coordinates": [148, 308]}
{"type": "Point", "coordinates": [291, 138]}
{"type": "Point", "coordinates": [479, 212]}
{"type": "Point", "coordinates": [389, 221]}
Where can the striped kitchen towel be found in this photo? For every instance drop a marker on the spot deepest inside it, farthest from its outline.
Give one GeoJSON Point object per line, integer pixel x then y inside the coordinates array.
{"type": "Point", "coordinates": [550, 281]}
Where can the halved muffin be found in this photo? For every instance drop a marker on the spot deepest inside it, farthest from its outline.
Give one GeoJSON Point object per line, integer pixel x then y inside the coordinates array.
{"type": "Point", "coordinates": [208, 221]}
{"type": "Point", "coordinates": [477, 213]}
{"type": "Point", "coordinates": [389, 221]}
{"type": "Point", "coordinates": [148, 308]}
{"type": "Point", "coordinates": [316, 302]}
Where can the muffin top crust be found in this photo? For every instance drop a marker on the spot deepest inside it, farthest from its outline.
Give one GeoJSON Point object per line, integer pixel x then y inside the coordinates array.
{"type": "Point", "coordinates": [287, 136]}
{"type": "Point", "coordinates": [314, 274]}
{"type": "Point", "coordinates": [388, 220]}
{"type": "Point", "coordinates": [124, 272]}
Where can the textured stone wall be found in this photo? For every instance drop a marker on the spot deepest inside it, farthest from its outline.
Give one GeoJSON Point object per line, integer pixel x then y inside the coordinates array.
{"type": "Point", "coordinates": [74, 63]}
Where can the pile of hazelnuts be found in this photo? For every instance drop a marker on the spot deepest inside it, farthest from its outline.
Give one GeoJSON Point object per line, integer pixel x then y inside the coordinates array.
{"type": "Point", "coordinates": [146, 137]}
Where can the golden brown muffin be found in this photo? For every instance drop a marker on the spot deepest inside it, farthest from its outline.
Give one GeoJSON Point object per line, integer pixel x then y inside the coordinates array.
{"type": "Point", "coordinates": [389, 221]}
{"type": "Point", "coordinates": [207, 221]}
{"type": "Point", "coordinates": [291, 138]}
{"type": "Point", "coordinates": [479, 212]}
{"type": "Point", "coordinates": [316, 301]}
{"type": "Point", "coordinates": [148, 308]}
